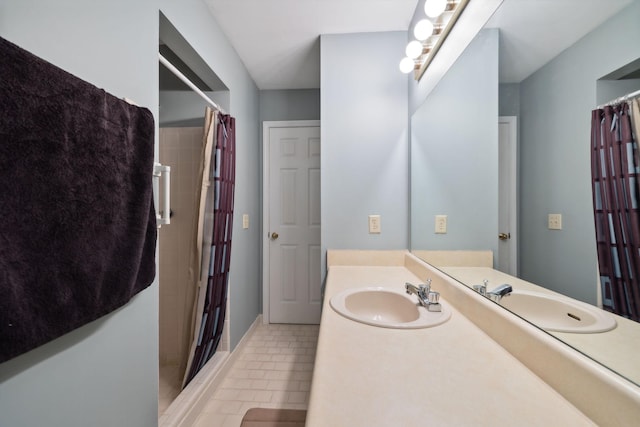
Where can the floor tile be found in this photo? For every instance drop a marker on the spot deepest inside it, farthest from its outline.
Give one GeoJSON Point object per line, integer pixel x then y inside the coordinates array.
{"type": "Point", "coordinates": [273, 371]}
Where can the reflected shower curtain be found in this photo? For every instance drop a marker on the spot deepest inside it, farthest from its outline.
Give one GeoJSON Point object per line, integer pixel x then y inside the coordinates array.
{"type": "Point", "coordinates": [615, 169]}
{"type": "Point", "coordinates": [210, 263]}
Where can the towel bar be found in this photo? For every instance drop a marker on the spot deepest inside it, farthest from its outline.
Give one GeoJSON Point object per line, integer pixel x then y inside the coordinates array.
{"type": "Point", "coordinates": [164, 172]}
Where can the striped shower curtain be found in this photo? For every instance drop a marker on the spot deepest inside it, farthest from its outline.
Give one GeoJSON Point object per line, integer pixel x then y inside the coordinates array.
{"type": "Point", "coordinates": [214, 232]}
{"type": "Point", "coordinates": [615, 169]}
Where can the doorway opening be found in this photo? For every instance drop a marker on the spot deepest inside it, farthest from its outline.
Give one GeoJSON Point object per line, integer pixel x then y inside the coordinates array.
{"type": "Point", "coordinates": [507, 259]}
{"type": "Point", "coordinates": [291, 222]}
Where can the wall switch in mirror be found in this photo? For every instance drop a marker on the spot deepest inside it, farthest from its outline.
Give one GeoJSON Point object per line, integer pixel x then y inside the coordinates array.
{"type": "Point", "coordinates": [441, 224]}
{"type": "Point", "coordinates": [374, 224]}
{"type": "Point", "coordinates": [245, 221]}
{"type": "Point", "coordinates": [555, 221]}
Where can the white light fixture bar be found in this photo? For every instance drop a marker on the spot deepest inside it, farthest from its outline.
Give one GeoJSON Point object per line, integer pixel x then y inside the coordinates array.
{"type": "Point", "coordinates": [425, 59]}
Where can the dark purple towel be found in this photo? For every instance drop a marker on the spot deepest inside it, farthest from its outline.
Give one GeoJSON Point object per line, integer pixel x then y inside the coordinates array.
{"type": "Point", "coordinates": [77, 222]}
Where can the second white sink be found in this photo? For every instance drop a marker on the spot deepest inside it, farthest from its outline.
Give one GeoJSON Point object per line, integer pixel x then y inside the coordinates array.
{"type": "Point", "coordinates": [386, 308]}
{"type": "Point", "coordinates": [558, 314]}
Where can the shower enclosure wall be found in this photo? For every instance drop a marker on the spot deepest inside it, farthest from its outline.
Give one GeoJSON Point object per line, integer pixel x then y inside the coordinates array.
{"type": "Point", "coordinates": [180, 146]}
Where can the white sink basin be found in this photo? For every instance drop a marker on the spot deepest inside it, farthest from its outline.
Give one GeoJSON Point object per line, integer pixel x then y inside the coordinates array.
{"type": "Point", "coordinates": [558, 314]}
{"type": "Point", "coordinates": [386, 308]}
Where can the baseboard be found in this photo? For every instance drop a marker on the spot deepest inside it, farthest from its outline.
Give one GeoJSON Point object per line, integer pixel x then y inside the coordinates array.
{"type": "Point", "coordinates": [186, 408]}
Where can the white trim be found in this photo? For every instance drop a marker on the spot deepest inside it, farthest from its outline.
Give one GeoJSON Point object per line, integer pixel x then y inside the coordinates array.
{"type": "Point", "coordinates": [512, 121]}
{"type": "Point", "coordinates": [266, 127]}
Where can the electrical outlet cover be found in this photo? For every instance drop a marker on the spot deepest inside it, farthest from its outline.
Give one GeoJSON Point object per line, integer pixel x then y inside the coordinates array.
{"type": "Point", "coordinates": [441, 224]}
{"type": "Point", "coordinates": [374, 224]}
{"type": "Point", "coordinates": [555, 222]}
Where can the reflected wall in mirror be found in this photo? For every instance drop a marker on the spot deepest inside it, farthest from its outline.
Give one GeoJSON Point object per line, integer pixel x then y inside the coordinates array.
{"type": "Point", "coordinates": [547, 64]}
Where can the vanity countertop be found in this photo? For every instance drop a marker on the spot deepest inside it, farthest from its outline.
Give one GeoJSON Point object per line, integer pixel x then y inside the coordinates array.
{"type": "Point", "coordinates": [449, 375]}
{"type": "Point", "coordinates": [618, 349]}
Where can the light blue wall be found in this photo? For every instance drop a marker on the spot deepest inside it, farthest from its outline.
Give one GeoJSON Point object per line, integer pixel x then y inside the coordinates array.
{"type": "Point", "coordinates": [556, 104]}
{"type": "Point", "coordinates": [365, 166]}
{"type": "Point", "coordinates": [186, 109]}
{"type": "Point", "coordinates": [608, 90]}
{"type": "Point", "coordinates": [106, 373]}
{"type": "Point", "coordinates": [509, 96]}
{"type": "Point", "coordinates": [295, 104]}
{"type": "Point", "coordinates": [454, 154]}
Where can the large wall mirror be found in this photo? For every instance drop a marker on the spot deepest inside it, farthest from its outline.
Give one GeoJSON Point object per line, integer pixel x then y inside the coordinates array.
{"type": "Point", "coordinates": [503, 141]}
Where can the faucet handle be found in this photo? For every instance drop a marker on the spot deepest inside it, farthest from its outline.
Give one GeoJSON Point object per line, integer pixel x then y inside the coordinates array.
{"type": "Point", "coordinates": [433, 297]}
{"type": "Point", "coordinates": [481, 289]}
{"type": "Point", "coordinates": [434, 301]}
{"type": "Point", "coordinates": [425, 287]}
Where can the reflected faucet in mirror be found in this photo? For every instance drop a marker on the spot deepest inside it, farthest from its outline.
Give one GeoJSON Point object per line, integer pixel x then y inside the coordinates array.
{"type": "Point", "coordinates": [496, 294]}
{"type": "Point", "coordinates": [501, 291]}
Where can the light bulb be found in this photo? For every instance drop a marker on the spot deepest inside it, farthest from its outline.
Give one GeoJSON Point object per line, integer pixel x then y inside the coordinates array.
{"type": "Point", "coordinates": [423, 29]}
{"type": "Point", "coordinates": [407, 65]}
{"type": "Point", "coordinates": [434, 8]}
{"type": "Point", "coordinates": [414, 49]}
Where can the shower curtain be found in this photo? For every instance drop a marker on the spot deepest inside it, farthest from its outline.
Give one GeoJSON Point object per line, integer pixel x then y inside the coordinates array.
{"type": "Point", "coordinates": [615, 169]}
{"type": "Point", "coordinates": [212, 255]}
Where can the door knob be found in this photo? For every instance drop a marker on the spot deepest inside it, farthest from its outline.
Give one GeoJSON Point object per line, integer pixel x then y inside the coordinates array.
{"type": "Point", "coordinates": [504, 236]}
{"type": "Point", "coordinates": [274, 236]}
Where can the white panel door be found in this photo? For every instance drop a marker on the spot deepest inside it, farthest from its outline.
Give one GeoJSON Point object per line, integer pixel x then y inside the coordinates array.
{"type": "Point", "coordinates": [507, 195]}
{"type": "Point", "coordinates": [294, 225]}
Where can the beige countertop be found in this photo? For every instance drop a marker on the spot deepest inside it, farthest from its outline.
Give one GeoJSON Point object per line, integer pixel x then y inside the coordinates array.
{"type": "Point", "coordinates": [449, 375]}
{"type": "Point", "coordinates": [617, 349]}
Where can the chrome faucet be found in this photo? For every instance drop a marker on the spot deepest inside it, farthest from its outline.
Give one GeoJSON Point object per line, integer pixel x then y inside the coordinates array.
{"type": "Point", "coordinates": [496, 294]}
{"type": "Point", "coordinates": [428, 299]}
{"type": "Point", "coordinates": [499, 292]}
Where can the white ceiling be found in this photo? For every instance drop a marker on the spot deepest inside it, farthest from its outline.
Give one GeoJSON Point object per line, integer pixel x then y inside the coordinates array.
{"type": "Point", "coordinates": [533, 32]}
{"type": "Point", "coordinates": [278, 40]}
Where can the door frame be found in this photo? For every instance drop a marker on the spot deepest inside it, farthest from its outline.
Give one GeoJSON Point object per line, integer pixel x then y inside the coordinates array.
{"type": "Point", "coordinates": [512, 122]}
{"type": "Point", "coordinates": [266, 128]}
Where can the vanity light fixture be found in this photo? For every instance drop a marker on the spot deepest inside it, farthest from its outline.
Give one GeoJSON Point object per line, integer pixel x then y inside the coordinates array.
{"type": "Point", "coordinates": [407, 65]}
{"type": "Point", "coordinates": [414, 49]}
{"type": "Point", "coordinates": [435, 8]}
{"type": "Point", "coordinates": [430, 33]}
{"type": "Point", "coordinates": [423, 30]}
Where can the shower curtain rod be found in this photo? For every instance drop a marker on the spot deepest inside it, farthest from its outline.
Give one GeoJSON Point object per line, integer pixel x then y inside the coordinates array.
{"type": "Point", "coordinates": [188, 82]}
{"type": "Point", "coordinates": [621, 99]}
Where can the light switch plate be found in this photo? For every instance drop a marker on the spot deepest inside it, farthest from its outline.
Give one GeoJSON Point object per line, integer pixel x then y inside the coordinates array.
{"type": "Point", "coordinates": [245, 221]}
{"type": "Point", "coordinates": [374, 224]}
{"type": "Point", "coordinates": [441, 224]}
{"type": "Point", "coordinates": [555, 221]}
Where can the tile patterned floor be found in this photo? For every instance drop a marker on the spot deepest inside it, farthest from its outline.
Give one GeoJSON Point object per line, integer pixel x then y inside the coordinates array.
{"type": "Point", "coordinates": [273, 371]}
